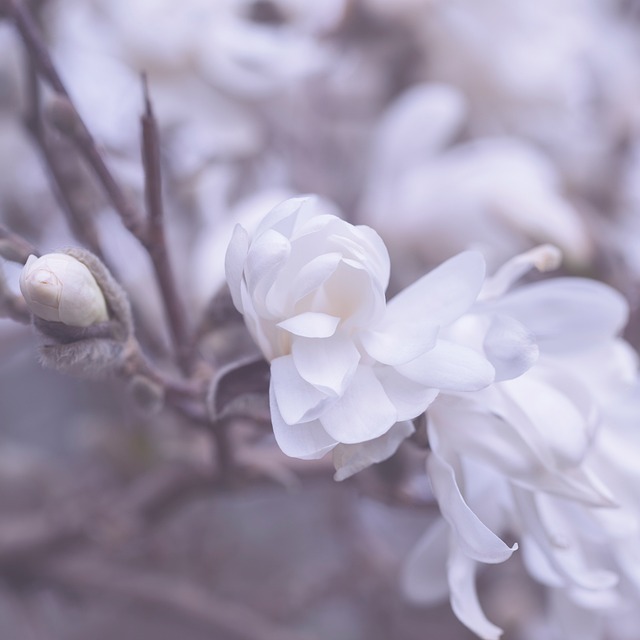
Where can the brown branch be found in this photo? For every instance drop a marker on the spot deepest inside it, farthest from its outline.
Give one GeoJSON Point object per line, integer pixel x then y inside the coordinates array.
{"type": "Point", "coordinates": [14, 247]}
{"type": "Point", "coordinates": [155, 240]}
{"type": "Point", "coordinates": [67, 116]}
{"type": "Point", "coordinates": [182, 597]}
{"type": "Point", "coordinates": [79, 218]}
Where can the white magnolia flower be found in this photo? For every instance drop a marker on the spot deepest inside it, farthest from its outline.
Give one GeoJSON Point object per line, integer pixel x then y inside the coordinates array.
{"type": "Point", "coordinates": [345, 365]}
{"type": "Point", "coordinates": [60, 288]}
{"type": "Point", "coordinates": [515, 457]}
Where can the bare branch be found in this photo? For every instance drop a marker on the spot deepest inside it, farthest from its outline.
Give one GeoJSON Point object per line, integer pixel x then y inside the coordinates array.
{"type": "Point", "coordinates": [167, 592]}
{"type": "Point", "coordinates": [155, 240]}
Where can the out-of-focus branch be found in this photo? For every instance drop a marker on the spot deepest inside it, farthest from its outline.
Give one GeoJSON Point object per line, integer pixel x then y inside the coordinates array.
{"type": "Point", "coordinates": [187, 599]}
{"type": "Point", "coordinates": [64, 115]}
{"type": "Point", "coordinates": [80, 220]}
{"type": "Point", "coordinates": [15, 248]}
{"type": "Point", "coordinates": [155, 240]}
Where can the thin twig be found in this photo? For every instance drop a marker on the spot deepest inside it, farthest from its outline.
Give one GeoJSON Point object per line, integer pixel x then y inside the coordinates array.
{"type": "Point", "coordinates": [69, 116]}
{"type": "Point", "coordinates": [155, 240]}
{"type": "Point", "coordinates": [14, 247]}
{"type": "Point", "coordinates": [80, 220]}
{"type": "Point", "coordinates": [182, 597]}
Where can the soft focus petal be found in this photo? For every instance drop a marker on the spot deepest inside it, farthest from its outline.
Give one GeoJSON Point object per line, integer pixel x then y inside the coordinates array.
{"type": "Point", "coordinates": [566, 313]}
{"type": "Point", "coordinates": [348, 459]}
{"type": "Point", "coordinates": [363, 413]}
{"type": "Point", "coordinates": [450, 367]}
{"type": "Point", "coordinates": [464, 596]}
{"type": "Point", "coordinates": [475, 539]}
{"type": "Point", "coordinates": [510, 347]}
{"type": "Point", "coordinates": [424, 575]}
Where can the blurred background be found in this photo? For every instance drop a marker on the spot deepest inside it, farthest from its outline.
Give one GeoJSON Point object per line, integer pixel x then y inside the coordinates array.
{"type": "Point", "coordinates": [444, 124]}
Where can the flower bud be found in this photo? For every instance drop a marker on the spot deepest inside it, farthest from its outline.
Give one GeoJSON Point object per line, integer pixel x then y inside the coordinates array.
{"type": "Point", "coordinates": [60, 288]}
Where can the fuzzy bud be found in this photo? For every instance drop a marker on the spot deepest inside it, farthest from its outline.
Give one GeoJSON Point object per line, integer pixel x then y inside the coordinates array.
{"type": "Point", "coordinates": [60, 288]}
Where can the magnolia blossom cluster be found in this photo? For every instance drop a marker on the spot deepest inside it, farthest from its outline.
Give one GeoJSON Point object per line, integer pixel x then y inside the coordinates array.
{"type": "Point", "coordinates": [530, 393]}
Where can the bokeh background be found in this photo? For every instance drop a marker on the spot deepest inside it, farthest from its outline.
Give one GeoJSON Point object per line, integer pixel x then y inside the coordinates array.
{"type": "Point", "coordinates": [444, 124]}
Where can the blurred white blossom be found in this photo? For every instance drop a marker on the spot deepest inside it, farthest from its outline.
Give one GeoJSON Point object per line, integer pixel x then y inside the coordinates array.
{"type": "Point", "coordinates": [515, 458]}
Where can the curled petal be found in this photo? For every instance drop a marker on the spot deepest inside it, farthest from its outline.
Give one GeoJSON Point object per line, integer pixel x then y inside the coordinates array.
{"type": "Point", "coordinates": [348, 459]}
{"type": "Point", "coordinates": [363, 413]}
{"type": "Point", "coordinates": [464, 595]}
{"type": "Point", "coordinates": [306, 440]}
{"type": "Point", "coordinates": [475, 539]}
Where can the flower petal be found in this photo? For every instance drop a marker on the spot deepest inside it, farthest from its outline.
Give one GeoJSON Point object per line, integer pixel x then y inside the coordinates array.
{"type": "Point", "coordinates": [363, 413]}
{"type": "Point", "coordinates": [408, 397]}
{"type": "Point", "coordinates": [566, 314]}
{"type": "Point", "coordinates": [234, 263]}
{"type": "Point", "coordinates": [298, 401]}
{"type": "Point", "coordinates": [442, 295]}
{"type": "Point", "coordinates": [348, 459]}
{"type": "Point", "coordinates": [464, 595]}
{"type": "Point", "coordinates": [475, 539]}
{"type": "Point", "coordinates": [451, 367]}
{"type": "Point", "coordinates": [398, 343]}
{"type": "Point", "coordinates": [307, 440]}
{"type": "Point", "coordinates": [510, 347]}
{"type": "Point", "coordinates": [311, 325]}
{"type": "Point", "coordinates": [267, 254]}
{"type": "Point", "coordinates": [326, 363]}
{"type": "Point", "coordinates": [424, 575]}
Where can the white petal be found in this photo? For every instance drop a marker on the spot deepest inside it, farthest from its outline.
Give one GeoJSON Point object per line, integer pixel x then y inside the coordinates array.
{"type": "Point", "coordinates": [307, 440]}
{"type": "Point", "coordinates": [476, 540]}
{"type": "Point", "coordinates": [566, 313]}
{"type": "Point", "coordinates": [311, 325]}
{"type": "Point", "coordinates": [298, 401]}
{"type": "Point", "coordinates": [442, 295]}
{"type": "Point", "coordinates": [398, 343]}
{"type": "Point", "coordinates": [348, 459]}
{"type": "Point", "coordinates": [326, 363]}
{"type": "Point", "coordinates": [557, 411]}
{"type": "Point", "coordinates": [313, 274]}
{"type": "Point", "coordinates": [234, 263]}
{"type": "Point", "coordinates": [464, 596]}
{"type": "Point", "coordinates": [510, 347]}
{"type": "Point", "coordinates": [543, 258]}
{"type": "Point", "coordinates": [451, 367]}
{"type": "Point", "coordinates": [267, 254]}
{"type": "Point", "coordinates": [363, 413]}
{"type": "Point", "coordinates": [282, 216]}
{"type": "Point", "coordinates": [408, 397]}
{"type": "Point", "coordinates": [424, 575]}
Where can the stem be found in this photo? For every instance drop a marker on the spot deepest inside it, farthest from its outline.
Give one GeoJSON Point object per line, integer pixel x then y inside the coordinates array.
{"type": "Point", "coordinates": [155, 239]}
